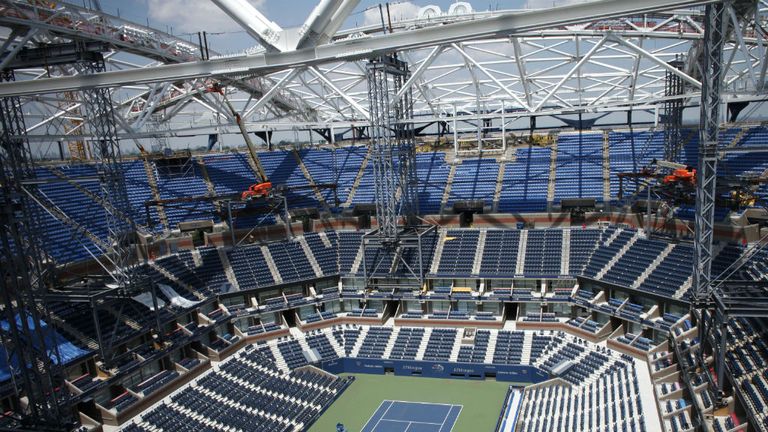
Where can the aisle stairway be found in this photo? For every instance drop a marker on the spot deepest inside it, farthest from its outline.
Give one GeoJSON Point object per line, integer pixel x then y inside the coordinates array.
{"type": "Point", "coordinates": [447, 190]}
{"type": "Point", "coordinates": [271, 265]}
{"type": "Point", "coordinates": [152, 180]}
{"type": "Point", "coordinates": [358, 178]}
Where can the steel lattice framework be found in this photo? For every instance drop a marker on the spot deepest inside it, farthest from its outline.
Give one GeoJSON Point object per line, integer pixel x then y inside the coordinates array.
{"type": "Point", "coordinates": [586, 59]}
{"type": "Point", "coordinates": [392, 144]}
{"type": "Point", "coordinates": [673, 115]}
{"type": "Point", "coordinates": [35, 365]}
{"type": "Point", "coordinates": [591, 58]}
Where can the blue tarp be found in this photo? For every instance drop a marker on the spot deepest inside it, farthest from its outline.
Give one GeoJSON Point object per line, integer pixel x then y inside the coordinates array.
{"type": "Point", "coordinates": [68, 351]}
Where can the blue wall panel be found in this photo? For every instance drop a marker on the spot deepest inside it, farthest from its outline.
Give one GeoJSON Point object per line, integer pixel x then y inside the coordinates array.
{"type": "Point", "coordinates": [512, 373]}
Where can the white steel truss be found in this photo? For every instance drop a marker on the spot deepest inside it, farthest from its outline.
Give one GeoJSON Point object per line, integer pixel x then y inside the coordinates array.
{"type": "Point", "coordinates": [556, 61]}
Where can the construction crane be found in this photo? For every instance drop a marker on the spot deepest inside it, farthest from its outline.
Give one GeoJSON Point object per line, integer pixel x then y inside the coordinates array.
{"type": "Point", "coordinates": [263, 188]}
{"type": "Point", "coordinates": [681, 174]}
{"type": "Point", "coordinates": [678, 186]}
{"type": "Point", "coordinates": [276, 197]}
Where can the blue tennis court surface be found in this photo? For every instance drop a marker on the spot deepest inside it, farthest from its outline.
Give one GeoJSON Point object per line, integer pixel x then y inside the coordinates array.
{"type": "Point", "coordinates": [397, 416]}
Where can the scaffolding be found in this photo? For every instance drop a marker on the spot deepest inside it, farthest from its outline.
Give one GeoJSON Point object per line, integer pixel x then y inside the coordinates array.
{"type": "Point", "coordinates": [393, 153]}
{"type": "Point", "coordinates": [393, 147]}
{"type": "Point", "coordinates": [30, 345]}
{"type": "Point", "coordinates": [673, 113]}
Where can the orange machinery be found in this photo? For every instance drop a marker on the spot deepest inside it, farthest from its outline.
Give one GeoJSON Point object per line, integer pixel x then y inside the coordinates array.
{"type": "Point", "coordinates": [263, 188]}
{"type": "Point", "coordinates": [685, 176]}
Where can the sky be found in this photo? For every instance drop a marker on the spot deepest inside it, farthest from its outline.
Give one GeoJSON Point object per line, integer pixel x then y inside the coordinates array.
{"type": "Point", "coordinates": [187, 17]}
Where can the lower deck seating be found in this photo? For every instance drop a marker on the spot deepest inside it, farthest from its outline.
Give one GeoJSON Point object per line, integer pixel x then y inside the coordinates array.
{"type": "Point", "coordinates": [440, 344]}
{"type": "Point", "coordinates": [476, 352]}
{"type": "Point", "coordinates": [248, 392]}
{"type": "Point", "coordinates": [407, 343]}
{"type": "Point", "coordinates": [610, 404]}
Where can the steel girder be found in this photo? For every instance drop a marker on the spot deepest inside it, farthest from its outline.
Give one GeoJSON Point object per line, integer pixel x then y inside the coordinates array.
{"type": "Point", "coordinates": [501, 25]}
{"type": "Point", "coordinates": [626, 70]}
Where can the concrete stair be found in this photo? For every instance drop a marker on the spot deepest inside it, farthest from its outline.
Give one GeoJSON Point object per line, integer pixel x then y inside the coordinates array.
{"type": "Point", "coordinates": [358, 260]}
{"type": "Point", "coordinates": [359, 341]}
{"type": "Point", "coordinates": [499, 185]}
{"type": "Point", "coordinates": [391, 342]}
{"type": "Point", "coordinates": [279, 359]}
{"type": "Point", "coordinates": [565, 253]}
{"type": "Point", "coordinates": [197, 259]}
{"type": "Point", "coordinates": [301, 340]}
{"type": "Point", "coordinates": [77, 334]}
{"type": "Point", "coordinates": [271, 265]}
{"type": "Point", "coordinates": [737, 138]}
{"type": "Point", "coordinates": [617, 257]}
{"type": "Point", "coordinates": [228, 268]}
{"type": "Point", "coordinates": [447, 190]}
{"type": "Point", "coordinates": [438, 251]}
{"type": "Point", "coordinates": [356, 183]}
{"type": "Point", "coordinates": [454, 357]}
{"type": "Point", "coordinates": [552, 173]}
{"type": "Point", "coordinates": [126, 320]}
{"type": "Point", "coordinates": [613, 236]}
{"type": "Point", "coordinates": [85, 191]}
{"type": "Point", "coordinates": [176, 280]}
{"type": "Point", "coordinates": [208, 183]}
{"type": "Point", "coordinates": [152, 180]}
{"type": "Point", "coordinates": [479, 251]}
{"type": "Point", "coordinates": [491, 347]}
{"type": "Point", "coordinates": [521, 245]}
{"type": "Point", "coordinates": [655, 263]}
{"type": "Point", "coordinates": [525, 355]}
{"type": "Point", "coordinates": [324, 238]}
{"type": "Point", "coordinates": [683, 288]}
{"type": "Point", "coordinates": [338, 349]}
{"type": "Point", "coordinates": [423, 346]}
{"type": "Point", "coordinates": [318, 195]}
{"type": "Point", "coordinates": [310, 256]}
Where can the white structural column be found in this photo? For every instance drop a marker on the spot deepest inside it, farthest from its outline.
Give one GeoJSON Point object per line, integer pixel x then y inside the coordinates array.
{"type": "Point", "coordinates": [254, 22]}
{"type": "Point", "coordinates": [324, 21]}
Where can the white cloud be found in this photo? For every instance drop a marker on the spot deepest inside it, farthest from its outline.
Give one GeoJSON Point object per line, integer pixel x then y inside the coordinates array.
{"type": "Point", "coordinates": [397, 11]}
{"type": "Point", "coordinates": [188, 16]}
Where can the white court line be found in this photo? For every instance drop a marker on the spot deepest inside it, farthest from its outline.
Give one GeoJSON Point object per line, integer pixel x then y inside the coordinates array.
{"type": "Point", "coordinates": [426, 403]}
{"type": "Point", "coordinates": [376, 426]}
{"type": "Point", "coordinates": [445, 417]}
{"type": "Point", "coordinates": [374, 413]}
{"type": "Point", "coordinates": [409, 421]}
{"type": "Point", "coordinates": [392, 402]}
{"type": "Point", "coordinates": [449, 413]}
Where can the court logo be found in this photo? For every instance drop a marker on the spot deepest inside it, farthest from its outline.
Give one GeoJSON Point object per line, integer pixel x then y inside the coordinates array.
{"type": "Point", "coordinates": [438, 367]}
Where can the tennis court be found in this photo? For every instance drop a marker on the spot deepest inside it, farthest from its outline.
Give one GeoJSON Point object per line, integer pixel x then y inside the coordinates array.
{"type": "Point", "coordinates": [400, 416]}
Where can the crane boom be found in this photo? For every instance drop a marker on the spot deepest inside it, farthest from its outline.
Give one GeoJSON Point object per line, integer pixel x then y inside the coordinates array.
{"type": "Point", "coordinates": [251, 148]}
{"type": "Point", "coordinates": [264, 187]}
